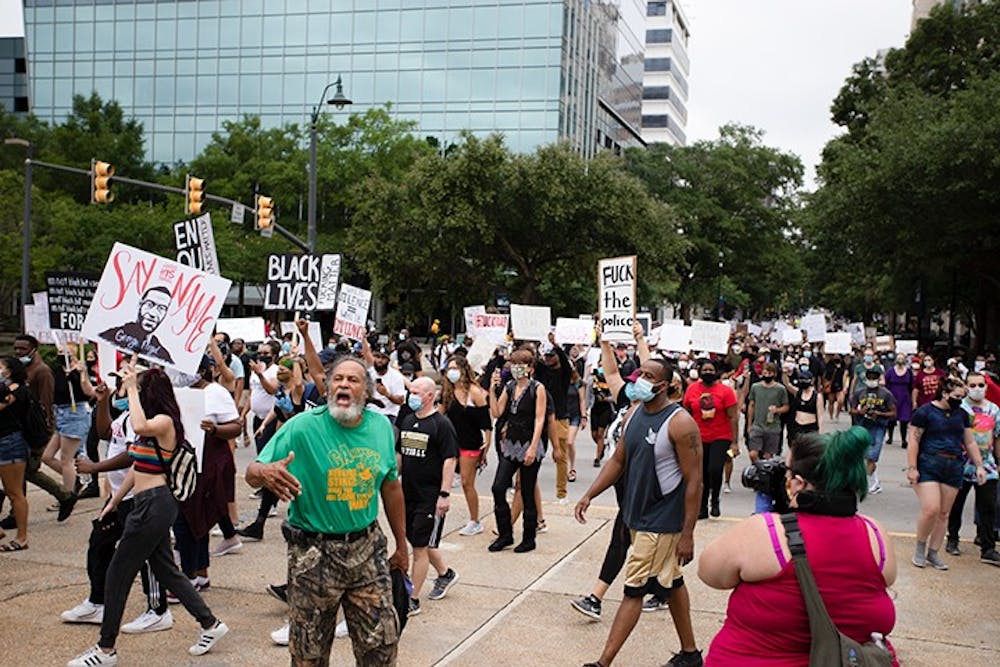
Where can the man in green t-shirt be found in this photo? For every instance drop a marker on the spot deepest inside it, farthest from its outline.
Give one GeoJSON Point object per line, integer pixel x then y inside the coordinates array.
{"type": "Point", "coordinates": [332, 463]}
{"type": "Point", "coordinates": [767, 400]}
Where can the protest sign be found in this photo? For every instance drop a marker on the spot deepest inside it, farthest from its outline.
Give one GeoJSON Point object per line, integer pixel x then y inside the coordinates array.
{"type": "Point", "coordinates": [491, 326]}
{"type": "Point", "coordinates": [192, 405]}
{"type": "Point", "coordinates": [195, 243]}
{"type": "Point", "coordinates": [36, 319]}
{"type": "Point", "coordinates": [710, 336]}
{"type": "Point", "coordinates": [646, 320]}
{"type": "Point", "coordinates": [107, 363]}
{"type": "Point", "coordinates": [69, 295]}
{"type": "Point", "coordinates": [593, 358]}
{"type": "Point", "coordinates": [857, 331]}
{"type": "Point", "coordinates": [574, 331]}
{"type": "Point", "coordinates": [249, 329]}
{"type": "Point", "coordinates": [883, 343]}
{"type": "Point", "coordinates": [870, 333]}
{"type": "Point", "coordinates": [530, 322]}
{"type": "Point", "coordinates": [480, 353]}
{"type": "Point", "coordinates": [754, 330]}
{"type": "Point", "coordinates": [906, 346]}
{"type": "Point", "coordinates": [616, 297]}
{"type": "Point", "coordinates": [301, 283]}
{"type": "Point", "coordinates": [470, 317]}
{"type": "Point", "coordinates": [837, 342]}
{"type": "Point", "coordinates": [352, 312]}
{"type": "Point", "coordinates": [791, 336]}
{"type": "Point", "coordinates": [815, 327]}
{"type": "Point", "coordinates": [315, 334]}
{"type": "Point", "coordinates": [653, 339]}
{"type": "Point", "coordinates": [156, 308]}
{"type": "Point", "coordinates": [675, 338]}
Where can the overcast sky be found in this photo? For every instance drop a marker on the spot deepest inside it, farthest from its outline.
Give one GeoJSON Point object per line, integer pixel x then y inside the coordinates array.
{"type": "Point", "coordinates": [778, 64]}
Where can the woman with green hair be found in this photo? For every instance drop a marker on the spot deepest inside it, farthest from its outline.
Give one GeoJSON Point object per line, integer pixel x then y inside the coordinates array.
{"type": "Point", "coordinates": [847, 552]}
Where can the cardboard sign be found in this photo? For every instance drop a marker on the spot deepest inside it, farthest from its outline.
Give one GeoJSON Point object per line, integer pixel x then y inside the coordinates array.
{"type": "Point", "coordinates": [302, 283]}
{"type": "Point", "coordinates": [36, 319]}
{"type": "Point", "coordinates": [574, 331]}
{"type": "Point", "coordinates": [69, 295]}
{"type": "Point", "coordinates": [709, 336]}
{"type": "Point", "coordinates": [837, 342]}
{"type": "Point", "coordinates": [791, 336]}
{"type": "Point", "coordinates": [646, 320]}
{"type": "Point", "coordinates": [676, 338]}
{"type": "Point", "coordinates": [815, 327]}
{"type": "Point", "coordinates": [192, 405]}
{"type": "Point", "coordinates": [491, 326]}
{"type": "Point", "coordinates": [857, 331]}
{"type": "Point", "coordinates": [530, 322]}
{"type": "Point", "coordinates": [315, 333]}
{"type": "Point", "coordinates": [470, 317]}
{"type": "Point", "coordinates": [616, 297]}
{"type": "Point", "coordinates": [352, 312]}
{"type": "Point", "coordinates": [154, 307]}
{"type": "Point", "coordinates": [250, 329]}
{"type": "Point", "coordinates": [195, 243]}
{"type": "Point", "coordinates": [883, 343]}
{"type": "Point", "coordinates": [754, 330]}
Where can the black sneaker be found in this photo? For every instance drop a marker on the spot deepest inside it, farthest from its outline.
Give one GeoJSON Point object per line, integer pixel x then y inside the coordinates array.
{"type": "Point", "coordinates": [278, 592]}
{"type": "Point", "coordinates": [525, 547]}
{"type": "Point", "coordinates": [715, 511]}
{"type": "Point", "coordinates": [414, 607]}
{"type": "Point", "coordinates": [90, 491]}
{"type": "Point", "coordinates": [442, 584]}
{"type": "Point", "coordinates": [8, 522]}
{"type": "Point", "coordinates": [589, 606]}
{"type": "Point", "coordinates": [66, 508]}
{"type": "Point", "coordinates": [990, 557]}
{"type": "Point", "coordinates": [952, 548]}
{"type": "Point", "coordinates": [500, 543]}
{"type": "Point", "coordinates": [254, 532]}
{"type": "Point", "coordinates": [703, 514]}
{"type": "Point", "coordinates": [686, 659]}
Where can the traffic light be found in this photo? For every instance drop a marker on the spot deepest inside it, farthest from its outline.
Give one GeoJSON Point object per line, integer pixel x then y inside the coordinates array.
{"type": "Point", "coordinates": [265, 213]}
{"type": "Point", "coordinates": [194, 195]}
{"type": "Point", "coordinates": [100, 182]}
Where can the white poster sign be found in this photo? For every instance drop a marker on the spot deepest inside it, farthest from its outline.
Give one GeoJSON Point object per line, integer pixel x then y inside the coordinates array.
{"type": "Point", "coordinates": [352, 312]}
{"type": "Point", "coordinates": [329, 280]}
{"type": "Point", "coordinates": [481, 352]}
{"type": "Point", "coordinates": [470, 317]}
{"type": "Point", "coordinates": [754, 330]}
{"type": "Point", "coordinates": [616, 297]}
{"type": "Point", "coordinates": [250, 329]}
{"type": "Point", "coordinates": [815, 327]}
{"type": "Point", "coordinates": [675, 338]}
{"type": "Point", "coordinates": [906, 346]}
{"type": "Point", "coordinates": [646, 320]}
{"type": "Point", "coordinates": [156, 308]}
{"type": "Point", "coordinates": [492, 326]}
{"type": "Point", "coordinates": [883, 343]}
{"type": "Point", "coordinates": [107, 362]}
{"type": "Point", "coordinates": [36, 319]}
{"type": "Point", "coordinates": [530, 322]}
{"type": "Point", "coordinates": [195, 243]}
{"type": "Point", "coordinates": [574, 331]}
{"type": "Point", "coordinates": [315, 335]}
{"type": "Point", "coordinates": [791, 336]}
{"type": "Point", "coordinates": [710, 336]}
{"type": "Point", "coordinates": [837, 342]}
{"type": "Point", "coordinates": [192, 405]}
{"type": "Point", "coordinates": [857, 331]}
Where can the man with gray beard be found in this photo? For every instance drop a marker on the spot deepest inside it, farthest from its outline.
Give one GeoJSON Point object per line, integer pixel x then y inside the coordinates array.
{"type": "Point", "coordinates": [331, 463]}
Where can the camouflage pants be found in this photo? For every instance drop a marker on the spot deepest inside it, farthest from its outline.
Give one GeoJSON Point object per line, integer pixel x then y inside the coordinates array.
{"type": "Point", "coordinates": [325, 574]}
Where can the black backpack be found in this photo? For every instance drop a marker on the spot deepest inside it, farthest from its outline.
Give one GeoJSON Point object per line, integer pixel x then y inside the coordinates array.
{"type": "Point", "coordinates": [35, 426]}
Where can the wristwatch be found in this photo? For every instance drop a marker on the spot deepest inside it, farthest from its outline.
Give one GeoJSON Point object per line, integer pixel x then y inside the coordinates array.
{"type": "Point", "coordinates": [444, 494]}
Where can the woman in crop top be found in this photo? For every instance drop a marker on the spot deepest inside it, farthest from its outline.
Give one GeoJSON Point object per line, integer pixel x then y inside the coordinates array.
{"type": "Point", "coordinates": [806, 405]}
{"type": "Point", "coordinates": [72, 416]}
{"type": "Point", "coordinates": [156, 420]}
{"type": "Point", "coordinates": [848, 554]}
{"type": "Point", "coordinates": [14, 402]}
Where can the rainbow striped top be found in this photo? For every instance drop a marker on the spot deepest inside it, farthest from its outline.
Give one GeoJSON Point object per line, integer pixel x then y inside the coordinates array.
{"type": "Point", "coordinates": [144, 458]}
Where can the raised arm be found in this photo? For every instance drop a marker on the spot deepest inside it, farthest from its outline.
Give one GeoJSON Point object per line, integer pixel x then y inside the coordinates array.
{"type": "Point", "coordinates": [610, 366]}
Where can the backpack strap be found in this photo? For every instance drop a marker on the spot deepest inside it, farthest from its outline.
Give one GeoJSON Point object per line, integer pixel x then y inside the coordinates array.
{"type": "Point", "coordinates": [820, 623]}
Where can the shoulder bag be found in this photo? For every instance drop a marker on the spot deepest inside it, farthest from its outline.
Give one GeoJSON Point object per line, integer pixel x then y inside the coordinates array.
{"type": "Point", "coordinates": [182, 473]}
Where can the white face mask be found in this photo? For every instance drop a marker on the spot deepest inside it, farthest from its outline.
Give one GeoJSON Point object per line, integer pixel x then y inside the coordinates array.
{"type": "Point", "coordinates": [976, 394]}
{"type": "Point", "coordinates": [453, 375]}
{"type": "Point", "coordinates": [871, 384]}
{"type": "Point", "coordinates": [979, 364]}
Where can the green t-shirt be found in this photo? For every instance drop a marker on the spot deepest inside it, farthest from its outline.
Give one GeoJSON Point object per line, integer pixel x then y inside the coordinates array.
{"type": "Point", "coordinates": [763, 396]}
{"type": "Point", "coordinates": [340, 469]}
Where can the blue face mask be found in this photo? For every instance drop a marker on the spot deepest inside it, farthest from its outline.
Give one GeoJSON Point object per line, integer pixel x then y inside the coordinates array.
{"type": "Point", "coordinates": [120, 403]}
{"type": "Point", "coordinates": [807, 354]}
{"type": "Point", "coordinates": [415, 402]}
{"type": "Point", "coordinates": [643, 390]}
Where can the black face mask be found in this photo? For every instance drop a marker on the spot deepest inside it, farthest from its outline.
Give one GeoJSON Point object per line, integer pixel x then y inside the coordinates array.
{"type": "Point", "coordinates": [709, 377]}
{"type": "Point", "coordinates": [767, 378]}
{"type": "Point", "coordinates": [805, 384]}
{"type": "Point", "coordinates": [381, 368]}
{"type": "Point", "coordinates": [266, 360]}
{"type": "Point", "coordinates": [954, 403]}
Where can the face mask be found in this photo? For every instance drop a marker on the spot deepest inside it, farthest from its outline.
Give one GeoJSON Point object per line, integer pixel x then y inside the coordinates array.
{"type": "Point", "coordinates": [803, 367]}
{"type": "Point", "coordinates": [266, 360]}
{"type": "Point", "coordinates": [286, 347]}
{"type": "Point", "coordinates": [979, 365]}
{"type": "Point", "coordinates": [331, 346]}
{"type": "Point", "coordinates": [954, 403]}
{"type": "Point", "coordinates": [644, 390]}
{"type": "Point", "coordinates": [402, 337]}
{"type": "Point", "coordinates": [737, 349]}
{"type": "Point", "coordinates": [900, 361]}
{"type": "Point", "coordinates": [767, 378]}
{"type": "Point", "coordinates": [519, 371]}
{"type": "Point", "coordinates": [415, 402]}
{"type": "Point", "coordinates": [120, 403]}
{"type": "Point", "coordinates": [683, 364]}
{"type": "Point", "coordinates": [928, 363]}
{"type": "Point", "coordinates": [977, 393]}
{"type": "Point", "coordinates": [709, 377]}
{"type": "Point", "coordinates": [630, 392]}
{"type": "Point", "coordinates": [804, 384]}
{"type": "Point", "coordinates": [505, 375]}
{"type": "Point", "coordinates": [693, 373]}
{"type": "Point", "coordinates": [453, 375]}
{"type": "Point", "coordinates": [807, 353]}
{"type": "Point", "coordinates": [25, 360]}
{"type": "Point", "coordinates": [871, 384]}
{"type": "Point", "coordinates": [868, 358]}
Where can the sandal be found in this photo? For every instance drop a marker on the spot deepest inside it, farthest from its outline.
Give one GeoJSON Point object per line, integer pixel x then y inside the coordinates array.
{"type": "Point", "coordinates": [13, 545]}
{"type": "Point", "coordinates": [572, 476]}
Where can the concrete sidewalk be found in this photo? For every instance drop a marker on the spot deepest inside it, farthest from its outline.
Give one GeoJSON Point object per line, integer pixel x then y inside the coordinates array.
{"type": "Point", "coordinates": [506, 609]}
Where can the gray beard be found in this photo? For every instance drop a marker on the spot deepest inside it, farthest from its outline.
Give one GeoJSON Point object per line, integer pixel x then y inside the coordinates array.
{"type": "Point", "coordinates": [347, 415]}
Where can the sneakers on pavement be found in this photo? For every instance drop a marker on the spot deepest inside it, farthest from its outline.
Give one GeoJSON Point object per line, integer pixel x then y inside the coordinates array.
{"type": "Point", "coordinates": [654, 603]}
{"type": "Point", "coordinates": [278, 592]}
{"type": "Point", "coordinates": [589, 606]}
{"type": "Point", "coordinates": [414, 607]}
{"type": "Point", "coordinates": [208, 638]}
{"type": "Point", "coordinates": [990, 557]}
{"type": "Point", "coordinates": [471, 528]}
{"type": "Point", "coordinates": [232, 546]}
{"type": "Point", "coordinates": [542, 527]}
{"type": "Point", "coordinates": [85, 612]}
{"type": "Point", "coordinates": [253, 532]}
{"type": "Point", "coordinates": [66, 508]}
{"type": "Point", "coordinates": [934, 561]}
{"type": "Point", "coordinates": [686, 659]}
{"type": "Point", "coordinates": [94, 657]}
{"type": "Point", "coordinates": [280, 636]}
{"type": "Point", "coordinates": [875, 489]}
{"type": "Point", "coordinates": [726, 488]}
{"type": "Point", "coordinates": [920, 560]}
{"type": "Point", "coordinates": [149, 621]}
{"type": "Point", "coordinates": [442, 584]}
{"type": "Point", "coordinates": [952, 548]}
{"type": "Point", "coordinates": [562, 501]}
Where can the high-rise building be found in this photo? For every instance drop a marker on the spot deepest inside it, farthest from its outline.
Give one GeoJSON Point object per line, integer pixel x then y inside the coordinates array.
{"type": "Point", "coordinates": [922, 8]}
{"type": "Point", "coordinates": [13, 64]}
{"type": "Point", "coordinates": [535, 70]}
{"type": "Point", "coordinates": [665, 83]}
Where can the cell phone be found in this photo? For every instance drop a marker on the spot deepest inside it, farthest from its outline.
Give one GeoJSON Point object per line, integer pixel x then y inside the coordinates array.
{"type": "Point", "coordinates": [378, 380]}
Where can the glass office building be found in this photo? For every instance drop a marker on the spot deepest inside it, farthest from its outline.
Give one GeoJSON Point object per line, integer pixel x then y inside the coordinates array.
{"type": "Point", "coordinates": [536, 70]}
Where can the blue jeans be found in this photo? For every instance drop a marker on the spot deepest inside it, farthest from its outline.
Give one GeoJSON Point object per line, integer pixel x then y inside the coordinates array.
{"type": "Point", "coordinates": [762, 503]}
{"type": "Point", "coordinates": [877, 434]}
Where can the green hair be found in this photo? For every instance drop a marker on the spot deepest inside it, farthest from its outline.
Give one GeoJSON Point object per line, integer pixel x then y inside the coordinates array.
{"type": "Point", "coordinates": [834, 462]}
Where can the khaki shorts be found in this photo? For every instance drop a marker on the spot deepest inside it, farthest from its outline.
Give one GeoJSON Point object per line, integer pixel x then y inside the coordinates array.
{"type": "Point", "coordinates": [652, 565]}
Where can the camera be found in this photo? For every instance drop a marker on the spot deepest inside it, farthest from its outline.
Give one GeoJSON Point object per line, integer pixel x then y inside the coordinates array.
{"type": "Point", "coordinates": [767, 476]}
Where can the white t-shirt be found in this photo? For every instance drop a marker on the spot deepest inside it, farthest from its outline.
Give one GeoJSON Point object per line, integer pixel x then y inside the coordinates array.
{"type": "Point", "coordinates": [236, 366]}
{"type": "Point", "coordinates": [261, 402]}
{"type": "Point", "coordinates": [219, 404]}
{"type": "Point", "coordinates": [122, 436]}
{"type": "Point", "coordinates": [394, 382]}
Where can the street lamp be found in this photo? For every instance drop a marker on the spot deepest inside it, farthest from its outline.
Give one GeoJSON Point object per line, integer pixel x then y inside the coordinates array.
{"type": "Point", "coordinates": [718, 303]}
{"type": "Point", "coordinates": [26, 241]}
{"type": "Point", "coordinates": [339, 100]}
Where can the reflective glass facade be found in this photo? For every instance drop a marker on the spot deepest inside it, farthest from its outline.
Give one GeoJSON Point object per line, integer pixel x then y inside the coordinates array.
{"type": "Point", "coordinates": [535, 70]}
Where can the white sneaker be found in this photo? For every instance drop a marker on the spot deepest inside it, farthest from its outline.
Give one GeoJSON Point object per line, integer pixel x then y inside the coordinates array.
{"type": "Point", "coordinates": [726, 488]}
{"type": "Point", "coordinates": [341, 630]}
{"type": "Point", "coordinates": [94, 657]}
{"type": "Point", "coordinates": [875, 488]}
{"type": "Point", "coordinates": [542, 527]}
{"type": "Point", "coordinates": [280, 636]}
{"type": "Point", "coordinates": [233, 546]}
{"type": "Point", "coordinates": [149, 622]}
{"type": "Point", "coordinates": [85, 612]}
{"type": "Point", "coordinates": [273, 512]}
{"type": "Point", "coordinates": [216, 532]}
{"type": "Point", "coordinates": [208, 638]}
{"type": "Point", "coordinates": [562, 501]}
{"type": "Point", "coordinates": [471, 528]}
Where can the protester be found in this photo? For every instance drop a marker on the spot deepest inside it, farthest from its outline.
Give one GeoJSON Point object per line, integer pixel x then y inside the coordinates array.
{"type": "Point", "coordinates": [767, 400]}
{"type": "Point", "coordinates": [868, 362]}
{"type": "Point", "coordinates": [577, 410]}
{"type": "Point", "coordinates": [14, 405]}
{"type": "Point", "coordinates": [899, 381]}
{"type": "Point", "coordinates": [939, 433]}
{"type": "Point", "coordinates": [926, 382]}
{"type": "Point", "coordinates": [390, 385]}
{"type": "Point", "coordinates": [601, 407]}
{"type": "Point", "coordinates": [873, 408]}
{"type": "Point", "coordinates": [805, 411]}
{"type": "Point", "coordinates": [826, 478]}
{"type": "Point", "coordinates": [72, 417]}
{"type": "Point", "coordinates": [713, 406]}
{"type": "Point", "coordinates": [554, 371]}
{"type": "Point", "coordinates": [833, 385]}
{"type": "Point", "coordinates": [332, 463]}
{"type": "Point", "coordinates": [146, 533]}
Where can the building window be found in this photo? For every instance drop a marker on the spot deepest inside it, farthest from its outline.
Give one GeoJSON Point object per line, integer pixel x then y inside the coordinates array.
{"type": "Point", "coordinates": [658, 36]}
{"type": "Point", "coordinates": [20, 66]}
{"type": "Point", "coordinates": [21, 104]}
{"type": "Point", "coordinates": [657, 64]}
{"type": "Point", "coordinates": [656, 9]}
{"type": "Point", "coordinates": [656, 93]}
{"type": "Point", "coordinates": [655, 121]}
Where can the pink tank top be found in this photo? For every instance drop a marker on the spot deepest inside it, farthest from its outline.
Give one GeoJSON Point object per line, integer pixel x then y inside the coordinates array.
{"type": "Point", "coordinates": [766, 621]}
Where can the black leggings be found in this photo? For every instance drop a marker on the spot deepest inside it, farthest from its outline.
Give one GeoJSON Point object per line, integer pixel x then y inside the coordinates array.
{"type": "Point", "coordinates": [103, 542]}
{"type": "Point", "coordinates": [986, 498]}
{"type": "Point", "coordinates": [713, 461]}
{"type": "Point", "coordinates": [621, 538]}
{"type": "Point", "coordinates": [504, 480]}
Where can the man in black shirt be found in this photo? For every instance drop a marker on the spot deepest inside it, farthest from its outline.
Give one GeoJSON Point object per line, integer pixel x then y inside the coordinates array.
{"type": "Point", "coordinates": [428, 447]}
{"type": "Point", "coordinates": [554, 370]}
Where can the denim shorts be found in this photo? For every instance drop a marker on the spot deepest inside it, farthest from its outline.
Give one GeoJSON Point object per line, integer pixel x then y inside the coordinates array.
{"type": "Point", "coordinates": [575, 421]}
{"type": "Point", "coordinates": [943, 469]}
{"type": "Point", "coordinates": [13, 449]}
{"type": "Point", "coordinates": [70, 424]}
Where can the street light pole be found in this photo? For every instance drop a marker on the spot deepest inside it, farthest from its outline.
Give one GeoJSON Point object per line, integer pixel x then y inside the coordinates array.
{"type": "Point", "coordinates": [340, 101]}
{"type": "Point", "coordinates": [718, 302]}
{"type": "Point", "coordinates": [26, 241]}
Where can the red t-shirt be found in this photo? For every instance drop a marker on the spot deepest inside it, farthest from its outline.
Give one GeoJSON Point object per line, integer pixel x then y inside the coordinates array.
{"type": "Point", "coordinates": [926, 385]}
{"type": "Point", "coordinates": [708, 407]}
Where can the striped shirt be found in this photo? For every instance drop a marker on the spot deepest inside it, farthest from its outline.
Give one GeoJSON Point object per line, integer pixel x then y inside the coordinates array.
{"type": "Point", "coordinates": [143, 454]}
